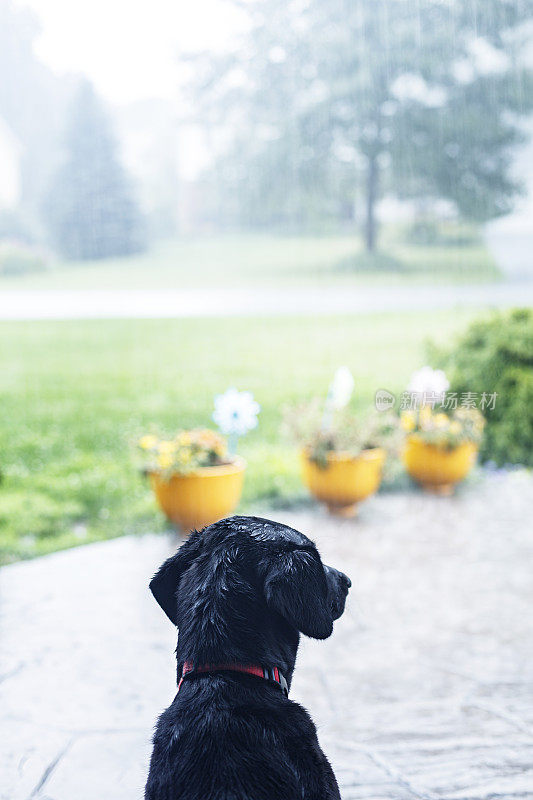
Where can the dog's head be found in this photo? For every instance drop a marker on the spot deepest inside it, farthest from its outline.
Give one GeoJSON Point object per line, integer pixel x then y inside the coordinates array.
{"type": "Point", "coordinates": [244, 583]}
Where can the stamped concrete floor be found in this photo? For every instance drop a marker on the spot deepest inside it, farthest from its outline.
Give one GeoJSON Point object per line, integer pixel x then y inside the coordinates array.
{"type": "Point", "coordinates": [425, 689]}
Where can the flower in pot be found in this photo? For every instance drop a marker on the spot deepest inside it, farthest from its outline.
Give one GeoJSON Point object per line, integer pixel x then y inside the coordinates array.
{"type": "Point", "coordinates": [342, 456]}
{"type": "Point", "coordinates": [440, 448]}
{"type": "Point", "coordinates": [196, 476]}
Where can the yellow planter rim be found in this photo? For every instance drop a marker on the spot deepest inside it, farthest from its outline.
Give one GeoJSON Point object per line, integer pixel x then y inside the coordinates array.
{"type": "Point", "coordinates": [371, 454]}
{"type": "Point", "coordinates": [416, 437]}
{"type": "Point", "coordinates": [237, 465]}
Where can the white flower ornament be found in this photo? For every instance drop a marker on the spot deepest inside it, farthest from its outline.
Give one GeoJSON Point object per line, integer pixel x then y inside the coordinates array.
{"type": "Point", "coordinates": [428, 381]}
{"type": "Point", "coordinates": [236, 412]}
{"type": "Point", "coordinates": [341, 388]}
{"type": "Point", "coordinates": [339, 393]}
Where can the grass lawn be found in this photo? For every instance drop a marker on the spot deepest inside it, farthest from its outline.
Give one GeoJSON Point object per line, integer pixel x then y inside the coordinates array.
{"type": "Point", "coordinates": [74, 394]}
{"type": "Point", "coordinates": [256, 260]}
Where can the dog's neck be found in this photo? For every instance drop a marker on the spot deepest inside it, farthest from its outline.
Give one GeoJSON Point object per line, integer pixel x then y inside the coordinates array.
{"type": "Point", "coordinates": [263, 651]}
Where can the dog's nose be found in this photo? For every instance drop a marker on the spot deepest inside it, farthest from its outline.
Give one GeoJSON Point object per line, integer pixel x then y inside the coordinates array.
{"type": "Point", "coordinates": [345, 580]}
{"type": "Point", "coordinates": [338, 576]}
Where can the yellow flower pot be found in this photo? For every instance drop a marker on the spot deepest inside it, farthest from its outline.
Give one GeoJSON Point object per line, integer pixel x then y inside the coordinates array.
{"type": "Point", "coordinates": [436, 469]}
{"type": "Point", "coordinates": [345, 481]}
{"type": "Point", "coordinates": [200, 498]}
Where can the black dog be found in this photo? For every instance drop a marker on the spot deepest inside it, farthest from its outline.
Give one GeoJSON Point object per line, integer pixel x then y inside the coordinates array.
{"type": "Point", "coordinates": [241, 591]}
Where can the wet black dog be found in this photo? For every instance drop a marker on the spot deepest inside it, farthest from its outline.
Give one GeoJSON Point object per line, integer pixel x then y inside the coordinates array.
{"type": "Point", "coordinates": [241, 591]}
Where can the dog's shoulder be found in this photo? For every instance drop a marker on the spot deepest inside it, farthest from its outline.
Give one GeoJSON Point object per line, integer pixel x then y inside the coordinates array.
{"type": "Point", "coordinates": [271, 751]}
{"type": "Point", "coordinates": [195, 717]}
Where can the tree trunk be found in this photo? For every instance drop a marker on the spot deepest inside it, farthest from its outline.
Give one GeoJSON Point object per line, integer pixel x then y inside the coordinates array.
{"type": "Point", "coordinates": [371, 197]}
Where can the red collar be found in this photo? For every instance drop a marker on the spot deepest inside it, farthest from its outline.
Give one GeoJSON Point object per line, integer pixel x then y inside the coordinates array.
{"type": "Point", "coordinates": [271, 674]}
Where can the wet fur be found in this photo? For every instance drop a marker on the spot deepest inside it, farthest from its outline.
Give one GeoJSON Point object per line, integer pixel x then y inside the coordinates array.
{"type": "Point", "coordinates": [242, 591]}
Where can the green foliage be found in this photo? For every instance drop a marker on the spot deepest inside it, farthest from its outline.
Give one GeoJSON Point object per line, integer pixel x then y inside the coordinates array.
{"type": "Point", "coordinates": [74, 395]}
{"type": "Point", "coordinates": [183, 453]}
{"type": "Point", "coordinates": [431, 231]}
{"type": "Point", "coordinates": [495, 354]}
{"type": "Point", "coordinates": [17, 260]}
{"type": "Point", "coordinates": [445, 431]}
{"type": "Point", "coordinates": [90, 207]}
{"type": "Point", "coordinates": [375, 262]}
{"type": "Point", "coordinates": [348, 431]}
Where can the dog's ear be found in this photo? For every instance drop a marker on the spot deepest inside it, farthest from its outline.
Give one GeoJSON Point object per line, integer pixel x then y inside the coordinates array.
{"type": "Point", "coordinates": [296, 587]}
{"type": "Point", "coordinates": [164, 584]}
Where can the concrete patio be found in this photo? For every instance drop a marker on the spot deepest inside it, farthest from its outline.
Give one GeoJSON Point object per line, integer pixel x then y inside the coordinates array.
{"type": "Point", "coordinates": [425, 689]}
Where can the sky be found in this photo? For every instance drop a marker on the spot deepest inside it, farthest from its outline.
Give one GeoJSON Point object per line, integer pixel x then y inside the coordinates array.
{"type": "Point", "coordinates": [128, 48]}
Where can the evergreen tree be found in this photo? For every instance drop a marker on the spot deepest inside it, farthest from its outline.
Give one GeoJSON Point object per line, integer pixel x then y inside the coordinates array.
{"type": "Point", "coordinates": [90, 206]}
{"type": "Point", "coordinates": [29, 91]}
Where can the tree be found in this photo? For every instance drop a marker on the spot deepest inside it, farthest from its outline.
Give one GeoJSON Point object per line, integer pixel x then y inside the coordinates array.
{"type": "Point", "coordinates": [90, 207]}
{"type": "Point", "coordinates": [425, 94]}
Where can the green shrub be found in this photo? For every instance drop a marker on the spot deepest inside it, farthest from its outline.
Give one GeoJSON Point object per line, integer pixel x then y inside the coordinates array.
{"type": "Point", "coordinates": [17, 259]}
{"type": "Point", "coordinates": [370, 262]}
{"type": "Point", "coordinates": [431, 231]}
{"type": "Point", "coordinates": [495, 354]}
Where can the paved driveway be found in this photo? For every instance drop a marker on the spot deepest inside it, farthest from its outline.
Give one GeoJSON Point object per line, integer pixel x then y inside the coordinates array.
{"type": "Point", "coordinates": [161, 304]}
{"type": "Point", "coordinates": [424, 691]}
